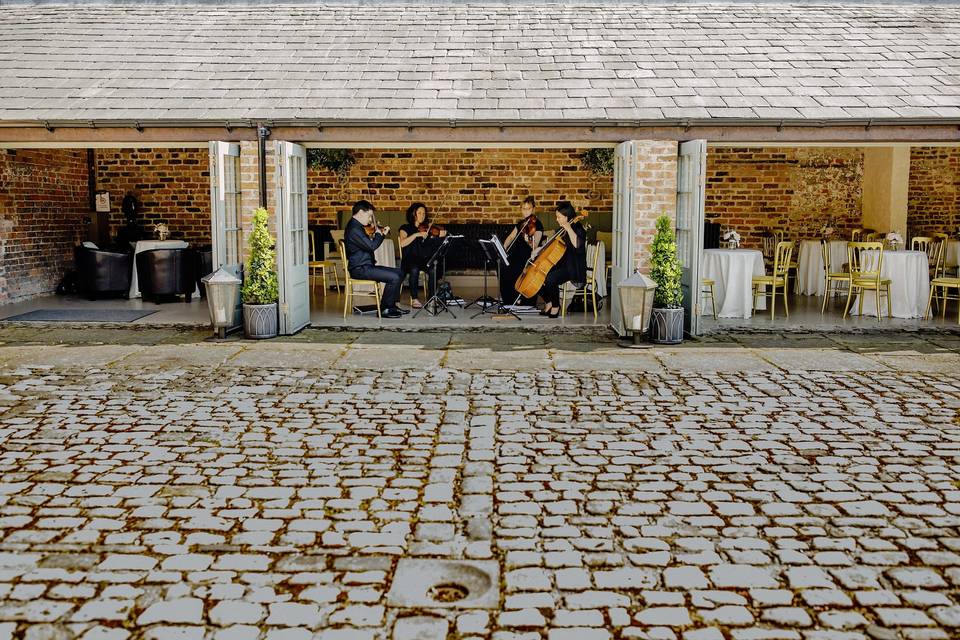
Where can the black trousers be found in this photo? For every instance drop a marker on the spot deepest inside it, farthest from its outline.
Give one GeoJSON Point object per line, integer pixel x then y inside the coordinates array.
{"type": "Point", "coordinates": [413, 272]}
{"type": "Point", "coordinates": [389, 276]}
{"type": "Point", "coordinates": [550, 292]}
{"type": "Point", "coordinates": [508, 282]}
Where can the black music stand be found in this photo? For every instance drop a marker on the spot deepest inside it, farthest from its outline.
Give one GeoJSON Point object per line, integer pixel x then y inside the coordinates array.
{"type": "Point", "coordinates": [434, 305]}
{"type": "Point", "coordinates": [493, 251]}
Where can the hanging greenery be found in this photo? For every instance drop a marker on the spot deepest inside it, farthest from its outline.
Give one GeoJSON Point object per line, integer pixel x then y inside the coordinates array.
{"type": "Point", "coordinates": [599, 161]}
{"type": "Point", "coordinates": [665, 267]}
{"type": "Point", "coordinates": [260, 285]}
{"type": "Point", "coordinates": [338, 161]}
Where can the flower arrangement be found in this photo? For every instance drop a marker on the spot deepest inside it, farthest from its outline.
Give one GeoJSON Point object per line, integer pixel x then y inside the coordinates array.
{"type": "Point", "coordinates": [826, 230]}
{"type": "Point", "coordinates": [162, 231]}
{"type": "Point", "coordinates": [732, 238]}
{"type": "Point", "coordinates": [894, 239]}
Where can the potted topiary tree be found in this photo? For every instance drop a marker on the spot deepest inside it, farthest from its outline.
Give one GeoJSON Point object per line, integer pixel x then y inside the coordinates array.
{"type": "Point", "coordinates": [260, 290]}
{"type": "Point", "coordinates": [666, 321]}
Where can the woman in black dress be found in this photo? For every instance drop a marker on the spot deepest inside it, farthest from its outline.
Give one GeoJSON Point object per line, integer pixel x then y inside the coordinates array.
{"type": "Point", "coordinates": [521, 244]}
{"type": "Point", "coordinates": [572, 267]}
{"type": "Point", "coordinates": [417, 245]}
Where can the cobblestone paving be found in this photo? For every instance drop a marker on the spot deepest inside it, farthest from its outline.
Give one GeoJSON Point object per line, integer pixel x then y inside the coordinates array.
{"type": "Point", "coordinates": [711, 492]}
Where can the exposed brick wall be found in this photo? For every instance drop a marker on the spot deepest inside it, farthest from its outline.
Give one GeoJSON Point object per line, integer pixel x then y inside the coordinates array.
{"type": "Point", "coordinates": [796, 190]}
{"type": "Point", "coordinates": [459, 185]}
{"type": "Point", "coordinates": [933, 201]}
{"type": "Point", "coordinates": [173, 186]}
{"type": "Point", "coordinates": [656, 194]}
{"type": "Point", "coordinates": [44, 208]}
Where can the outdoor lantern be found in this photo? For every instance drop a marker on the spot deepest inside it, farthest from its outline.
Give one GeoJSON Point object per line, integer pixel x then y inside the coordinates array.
{"type": "Point", "coordinates": [223, 289]}
{"type": "Point", "coordinates": [636, 304]}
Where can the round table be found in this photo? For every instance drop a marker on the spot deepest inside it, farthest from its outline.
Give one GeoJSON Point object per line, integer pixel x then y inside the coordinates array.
{"type": "Point", "coordinates": [732, 270]}
{"type": "Point", "coordinates": [810, 265]}
{"type": "Point", "coordinates": [909, 284]}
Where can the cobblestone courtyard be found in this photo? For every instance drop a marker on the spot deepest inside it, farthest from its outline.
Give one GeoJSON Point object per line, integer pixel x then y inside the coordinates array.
{"type": "Point", "coordinates": [765, 487]}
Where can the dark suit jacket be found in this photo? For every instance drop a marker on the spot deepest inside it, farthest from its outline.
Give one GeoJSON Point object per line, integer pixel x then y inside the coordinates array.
{"type": "Point", "coordinates": [360, 246]}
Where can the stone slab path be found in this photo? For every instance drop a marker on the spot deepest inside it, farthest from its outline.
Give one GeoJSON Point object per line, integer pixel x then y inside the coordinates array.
{"type": "Point", "coordinates": [756, 487]}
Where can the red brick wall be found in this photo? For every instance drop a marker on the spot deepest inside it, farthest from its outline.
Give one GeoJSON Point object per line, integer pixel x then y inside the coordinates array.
{"type": "Point", "coordinates": [656, 194]}
{"type": "Point", "coordinates": [460, 185]}
{"type": "Point", "coordinates": [44, 207]}
{"type": "Point", "coordinates": [796, 190]}
{"type": "Point", "coordinates": [173, 186]}
{"type": "Point", "coordinates": [933, 201]}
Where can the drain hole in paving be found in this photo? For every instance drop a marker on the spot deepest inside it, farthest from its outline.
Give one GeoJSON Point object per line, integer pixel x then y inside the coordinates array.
{"type": "Point", "coordinates": [449, 592]}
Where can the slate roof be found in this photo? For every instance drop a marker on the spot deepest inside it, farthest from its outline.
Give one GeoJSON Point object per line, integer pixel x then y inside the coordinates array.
{"type": "Point", "coordinates": [602, 62]}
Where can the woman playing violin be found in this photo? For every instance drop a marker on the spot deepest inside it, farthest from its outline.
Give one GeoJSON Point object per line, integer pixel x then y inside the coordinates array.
{"type": "Point", "coordinates": [417, 244]}
{"type": "Point", "coordinates": [523, 239]}
{"type": "Point", "coordinates": [572, 267]}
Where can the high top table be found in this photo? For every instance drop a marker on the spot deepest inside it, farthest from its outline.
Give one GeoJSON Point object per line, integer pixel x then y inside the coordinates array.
{"type": "Point", "coordinates": [909, 285]}
{"type": "Point", "coordinates": [732, 270]}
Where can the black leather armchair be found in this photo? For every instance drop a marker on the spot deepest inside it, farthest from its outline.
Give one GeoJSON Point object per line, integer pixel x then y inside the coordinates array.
{"type": "Point", "coordinates": [102, 273]}
{"type": "Point", "coordinates": [167, 272]}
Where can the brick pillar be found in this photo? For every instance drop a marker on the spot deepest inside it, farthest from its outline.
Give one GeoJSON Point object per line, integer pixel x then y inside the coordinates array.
{"type": "Point", "coordinates": [655, 194]}
{"type": "Point", "coordinates": [250, 186]}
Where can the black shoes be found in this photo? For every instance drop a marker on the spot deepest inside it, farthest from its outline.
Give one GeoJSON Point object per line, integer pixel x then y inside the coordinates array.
{"type": "Point", "coordinates": [392, 312]}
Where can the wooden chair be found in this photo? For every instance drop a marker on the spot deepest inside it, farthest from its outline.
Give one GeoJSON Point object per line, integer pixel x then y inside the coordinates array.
{"type": "Point", "coordinates": [781, 265]}
{"type": "Point", "coordinates": [944, 284]}
{"type": "Point", "coordinates": [857, 235]}
{"type": "Point", "coordinates": [320, 266]}
{"type": "Point", "coordinates": [352, 282]}
{"type": "Point", "coordinates": [921, 243]}
{"type": "Point", "coordinates": [706, 289]}
{"type": "Point", "coordinates": [865, 268]}
{"type": "Point", "coordinates": [874, 236]}
{"type": "Point", "coordinates": [937, 256]}
{"type": "Point", "coordinates": [830, 276]}
{"type": "Point", "coordinates": [589, 287]}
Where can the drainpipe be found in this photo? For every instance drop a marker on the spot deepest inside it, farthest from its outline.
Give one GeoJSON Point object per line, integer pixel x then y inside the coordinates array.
{"type": "Point", "coordinates": [262, 134]}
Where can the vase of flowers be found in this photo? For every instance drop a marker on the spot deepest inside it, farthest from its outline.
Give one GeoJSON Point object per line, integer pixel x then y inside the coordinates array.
{"type": "Point", "coordinates": [732, 239]}
{"type": "Point", "coordinates": [826, 231]}
{"type": "Point", "coordinates": [162, 231]}
{"type": "Point", "coordinates": [894, 240]}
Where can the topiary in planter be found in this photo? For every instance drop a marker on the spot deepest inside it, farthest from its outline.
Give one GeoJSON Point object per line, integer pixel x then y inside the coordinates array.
{"type": "Point", "coordinates": [666, 323]}
{"type": "Point", "coordinates": [261, 289]}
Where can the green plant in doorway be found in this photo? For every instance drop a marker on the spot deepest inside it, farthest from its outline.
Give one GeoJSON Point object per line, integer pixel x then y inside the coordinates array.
{"type": "Point", "coordinates": [665, 267]}
{"type": "Point", "coordinates": [598, 161]}
{"type": "Point", "coordinates": [260, 284]}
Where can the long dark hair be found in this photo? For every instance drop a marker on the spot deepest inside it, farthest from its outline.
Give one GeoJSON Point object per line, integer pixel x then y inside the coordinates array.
{"type": "Point", "coordinates": [412, 212]}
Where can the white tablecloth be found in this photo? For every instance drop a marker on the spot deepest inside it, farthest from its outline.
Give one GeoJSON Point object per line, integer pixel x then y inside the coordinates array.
{"type": "Point", "coordinates": [147, 245]}
{"type": "Point", "coordinates": [909, 285]}
{"type": "Point", "coordinates": [810, 265]}
{"type": "Point", "coordinates": [732, 270]}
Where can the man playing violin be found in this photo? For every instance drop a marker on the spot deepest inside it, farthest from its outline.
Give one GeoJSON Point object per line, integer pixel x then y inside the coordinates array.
{"type": "Point", "coordinates": [572, 267]}
{"type": "Point", "coordinates": [361, 263]}
{"type": "Point", "coordinates": [417, 245]}
{"type": "Point", "coordinates": [523, 239]}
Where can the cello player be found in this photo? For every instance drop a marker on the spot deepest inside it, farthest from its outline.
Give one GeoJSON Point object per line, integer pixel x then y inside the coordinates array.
{"type": "Point", "coordinates": [572, 267]}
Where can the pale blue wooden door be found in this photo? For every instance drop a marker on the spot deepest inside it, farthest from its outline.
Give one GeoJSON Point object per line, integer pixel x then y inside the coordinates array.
{"type": "Point", "coordinates": [292, 257]}
{"type": "Point", "coordinates": [226, 233]}
{"type": "Point", "coordinates": [623, 250]}
{"type": "Point", "coordinates": [691, 181]}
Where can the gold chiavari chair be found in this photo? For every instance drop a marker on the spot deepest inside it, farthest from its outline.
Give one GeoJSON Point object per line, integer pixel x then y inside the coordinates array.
{"type": "Point", "coordinates": [840, 280]}
{"type": "Point", "coordinates": [320, 266]}
{"type": "Point", "coordinates": [866, 261]}
{"type": "Point", "coordinates": [921, 243]}
{"type": "Point", "coordinates": [589, 287]}
{"type": "Point", "coordinates": [706, 289]}
{"type": "Point", "coordinates": [352, 282]}
{"type": "Point", "coordinates": [781, 264]}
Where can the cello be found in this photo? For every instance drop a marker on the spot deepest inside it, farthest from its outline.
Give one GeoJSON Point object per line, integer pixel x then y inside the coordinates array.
{"type": "Point", "coordinates": [535, 272]}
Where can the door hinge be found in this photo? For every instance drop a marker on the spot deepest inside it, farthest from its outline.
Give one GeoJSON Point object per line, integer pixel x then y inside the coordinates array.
{"type": "Point", "coordinates": [284, 308]}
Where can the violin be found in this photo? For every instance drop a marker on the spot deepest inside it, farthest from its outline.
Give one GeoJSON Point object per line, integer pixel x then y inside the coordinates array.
{"type": "Point", "coordinates": [433, 230]}
{"type": "Point", "coordinates": [535, 272]}
{"type": "Point", "coordinates": [529, 228]}
{"type": "Point", "coordinates": [373, 229]}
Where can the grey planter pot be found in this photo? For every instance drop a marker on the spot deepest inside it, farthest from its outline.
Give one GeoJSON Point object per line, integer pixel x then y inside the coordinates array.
{"type": "Point", "coordinates": [666, 326]}
{"type": "Point", "coordinates": [260, 321]}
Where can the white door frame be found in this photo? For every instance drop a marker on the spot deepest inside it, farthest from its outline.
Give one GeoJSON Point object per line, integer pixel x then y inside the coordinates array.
{"type": "Point", "coordinates": [623, 250]}
{"type": "Point", "coordinates": [691, 184]}
{"type": "Point", "coordinates": [292, 257]}
{"type": "Point", "coordinates": [226, 228]}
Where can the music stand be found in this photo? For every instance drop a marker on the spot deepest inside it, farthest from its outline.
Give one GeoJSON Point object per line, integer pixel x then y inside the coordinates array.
{"type": "Point", "coordinates": [494, 252]}
{"type": "Point", "coordinates": [434, 305]}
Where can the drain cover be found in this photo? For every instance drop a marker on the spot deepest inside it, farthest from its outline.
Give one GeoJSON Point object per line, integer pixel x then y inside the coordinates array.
{"type": "Point", "coordinates": [430, 583]}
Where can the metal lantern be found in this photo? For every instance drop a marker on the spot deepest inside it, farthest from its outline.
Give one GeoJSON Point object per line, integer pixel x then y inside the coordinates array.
{"type": "Point", "coordinates": [223, 294]}
{"type": "Point", "coordinates": [636, 304]}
